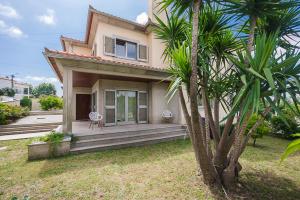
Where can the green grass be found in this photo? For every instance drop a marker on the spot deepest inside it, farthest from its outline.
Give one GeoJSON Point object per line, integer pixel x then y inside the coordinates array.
{"type": "Point", "coordinates": [162, 171]}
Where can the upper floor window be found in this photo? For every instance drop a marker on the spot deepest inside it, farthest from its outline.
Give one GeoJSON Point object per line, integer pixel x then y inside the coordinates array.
{"type": "Point", "coordinates": [125, 49]}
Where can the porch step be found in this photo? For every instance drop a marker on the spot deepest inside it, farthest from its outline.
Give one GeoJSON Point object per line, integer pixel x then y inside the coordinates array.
{"type": "Point", "coordinates": [130, 143]}
{"type": "Point", "coordinates": [27, 128]}
{"type": "Point", "coordinates": [127, 138]}
{"type": "Point", "coordinates": [125, 132]}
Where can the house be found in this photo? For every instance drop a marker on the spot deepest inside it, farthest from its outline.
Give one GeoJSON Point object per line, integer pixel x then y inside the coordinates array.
{"type": "Point", "coordinates": [117, 70]}
{"type": "Point", "coordinates": [21, 89]}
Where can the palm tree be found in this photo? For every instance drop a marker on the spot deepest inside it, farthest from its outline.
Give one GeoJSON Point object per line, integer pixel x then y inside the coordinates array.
{"type": "Point", "coordinates": [264, 75]}
{"type": "Point", "coordinates": [253, 10]}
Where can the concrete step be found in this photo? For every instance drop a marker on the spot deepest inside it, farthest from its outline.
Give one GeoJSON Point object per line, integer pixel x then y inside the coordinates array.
{"type": "Point", "coordinates": [126, 138]}
{"type": "Point", "coordinates": [27, 125]}
{"type": "Point", "coordinates": [33, 128]}
{"type": "Point", "coordinates": [120, 133]}
{"type": "Point", "coordinates": [132, 143]}
{"type": "Point", "coordinates": [27, 131]}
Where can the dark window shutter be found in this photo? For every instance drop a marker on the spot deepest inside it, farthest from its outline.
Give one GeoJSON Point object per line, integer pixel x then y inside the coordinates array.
{"type": "Point", "coordinates": [109, 45]}
{"type": "Point", "coordinates": [143, 52]}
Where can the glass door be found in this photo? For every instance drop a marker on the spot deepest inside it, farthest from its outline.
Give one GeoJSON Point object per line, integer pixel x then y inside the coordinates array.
{"type": "Point", "coordinates": [126, 107]}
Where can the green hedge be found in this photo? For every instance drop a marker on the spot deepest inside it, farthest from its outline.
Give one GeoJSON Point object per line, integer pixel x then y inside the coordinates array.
{"type": "Point", "coordinates": [26, 102]}
{"type": "Point", "coordinates": [51, 102]}
{"type": "Point", "coordinates": [11, 113]}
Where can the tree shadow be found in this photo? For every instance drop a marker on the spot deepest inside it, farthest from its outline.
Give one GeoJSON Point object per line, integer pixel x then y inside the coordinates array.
{"type": "Point", "coordinates": [265, 185]}
{"type": "Point", "coordinates": [121, 157]}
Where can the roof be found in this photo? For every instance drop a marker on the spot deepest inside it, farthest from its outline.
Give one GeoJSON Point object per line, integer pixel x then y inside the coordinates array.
{"type": "Point", "coordinates": [15, 82]}
{"type": "Point", "coordinates": [91, 12]}
{"type": "Point", "coordinates": [71, 40]}
{"type": "Point", "coordinates": [50, 54]}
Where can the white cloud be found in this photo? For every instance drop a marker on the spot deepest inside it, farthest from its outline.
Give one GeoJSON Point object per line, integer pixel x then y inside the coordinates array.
{"type": "Point", "coordinates": [142, 18]}
{"type": "Point", "coordinates": [40, 79]}
{"type": "Point", "coordinates": [11, 31]}
{"type": "Point", "coordinates": [48, 18]}
{"type": "Point", "coordinates": [8, 11]}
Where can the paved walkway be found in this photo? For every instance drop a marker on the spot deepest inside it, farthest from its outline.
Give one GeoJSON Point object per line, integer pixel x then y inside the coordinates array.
{"type": "Point", "coordinates": [22, 136]}
{"type": "Point", "coordinates": [38, 119]}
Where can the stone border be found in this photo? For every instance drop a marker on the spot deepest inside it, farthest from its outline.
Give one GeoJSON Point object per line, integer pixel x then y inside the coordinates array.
{"type": "Point", "coordinates": [42, 150]}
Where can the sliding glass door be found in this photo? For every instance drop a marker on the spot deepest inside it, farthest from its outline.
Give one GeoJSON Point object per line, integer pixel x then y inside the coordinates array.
{"type": "Point", "coordinates": [126, 107]}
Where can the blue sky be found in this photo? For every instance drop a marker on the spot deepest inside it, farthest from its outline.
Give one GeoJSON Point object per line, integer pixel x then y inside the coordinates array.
{"type": "Point", "coordinates": [27, 26]}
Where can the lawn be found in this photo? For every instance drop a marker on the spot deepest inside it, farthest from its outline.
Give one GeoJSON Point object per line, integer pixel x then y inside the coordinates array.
{"type": "Point", "coordinates": [162, 171]}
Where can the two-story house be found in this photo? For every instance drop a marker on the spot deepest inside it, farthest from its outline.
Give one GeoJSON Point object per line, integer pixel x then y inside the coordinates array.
{"type": "Point", "coordinates": [21, 89]}
{"type": "Point", "coordinates": [117, 70]}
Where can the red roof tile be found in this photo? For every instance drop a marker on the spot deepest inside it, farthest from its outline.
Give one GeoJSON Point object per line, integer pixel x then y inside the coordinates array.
{"type": "Point", "coordinates": [100, 60]}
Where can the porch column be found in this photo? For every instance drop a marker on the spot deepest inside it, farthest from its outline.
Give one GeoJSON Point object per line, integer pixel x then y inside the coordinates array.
{"type": "Point", "coordinates": [67, 97]}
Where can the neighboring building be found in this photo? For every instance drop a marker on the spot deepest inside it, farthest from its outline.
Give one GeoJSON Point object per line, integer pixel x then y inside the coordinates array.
{"type": "Point", "coordinates": [21, 89]}
{"type": "Point", "coordinates": [117, 70]}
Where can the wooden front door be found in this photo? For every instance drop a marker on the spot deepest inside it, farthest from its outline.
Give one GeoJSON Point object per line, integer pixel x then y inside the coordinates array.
{"type": "Point", "coordinates": [83, 106]}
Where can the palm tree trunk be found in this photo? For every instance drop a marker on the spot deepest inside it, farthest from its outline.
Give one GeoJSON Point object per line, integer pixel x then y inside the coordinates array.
{"type": "Point", "coordinates": [253, 21]}
{"type": "Point", "coordinates": [188, 122]}
{"type": "Point", "coordinates": [206, 168]}
{"type": "Point", "coordinates": [217, 100]}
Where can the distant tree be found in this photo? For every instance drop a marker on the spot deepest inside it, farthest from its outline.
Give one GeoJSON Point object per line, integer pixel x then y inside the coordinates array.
{"type": "Point", "coordinates": [44, 89]}
{"type": "Point", "coordinates": [7, 92]}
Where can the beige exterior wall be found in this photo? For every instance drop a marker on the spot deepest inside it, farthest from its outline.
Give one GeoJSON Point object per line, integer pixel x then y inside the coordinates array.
{"type": "Point", "coordinates": [160, 103]}
{"type": "Point", "coordinates": [73, 48]}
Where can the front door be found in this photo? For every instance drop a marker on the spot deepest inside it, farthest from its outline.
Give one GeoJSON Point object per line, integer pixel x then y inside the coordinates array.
{"type": "Point", "coordinates": [83, 106]}
{"type": "Point", "coordinates": [126, 107]}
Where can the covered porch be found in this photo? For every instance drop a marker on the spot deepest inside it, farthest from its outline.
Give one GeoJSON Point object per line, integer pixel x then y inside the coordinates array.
{"type": "Point", "coordinates": [123, 93]}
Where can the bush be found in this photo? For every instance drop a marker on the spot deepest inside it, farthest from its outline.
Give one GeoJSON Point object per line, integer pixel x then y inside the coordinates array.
{"type": "Point", "coordinates": [26, 102]}
{"type": "Point", "coordinates": [284, 126]}
{"type": "Point", "coordinates": [10, 113]}
{"type": "Point", "coordinates": [261, 130]}
{"type": "Point", "coordinates": [51, 102]}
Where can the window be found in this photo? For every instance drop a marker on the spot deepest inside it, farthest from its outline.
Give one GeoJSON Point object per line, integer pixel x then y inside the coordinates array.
{"type": "Point", "coordinates": [120, 48]}
{"type": "Point", "coordinates": [131, 50]}
{"type": "Point", "coordinates": [125, 49]}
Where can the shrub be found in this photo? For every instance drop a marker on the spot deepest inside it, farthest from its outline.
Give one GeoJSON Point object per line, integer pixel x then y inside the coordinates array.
{"type": "Point", "coordinates": [284, 126]}
{"type": "Point", "coordinates": [9, 113]}
{"type": "Point", "coordinates": [54, 139]}
{"type": "Point", "coordinates": [26, 102]}
{"type": "Point", "coordinates": [51, 102]}
{"type": "Point", "coordinates": [261, 130]}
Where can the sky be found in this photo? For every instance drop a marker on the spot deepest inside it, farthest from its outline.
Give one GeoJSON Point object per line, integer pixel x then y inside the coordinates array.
{"type": "Point", "coordinates": [28, 26]}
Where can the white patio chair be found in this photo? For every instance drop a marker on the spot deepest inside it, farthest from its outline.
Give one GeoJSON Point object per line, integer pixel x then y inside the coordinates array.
{"type": "Point", "coordinates": [167, 116]}
{"type": "Point", "coordinates": [95, 118]}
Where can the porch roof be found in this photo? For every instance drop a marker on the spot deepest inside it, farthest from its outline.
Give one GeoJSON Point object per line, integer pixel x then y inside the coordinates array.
{"type": "Point", "coordinates": [52, 55]}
